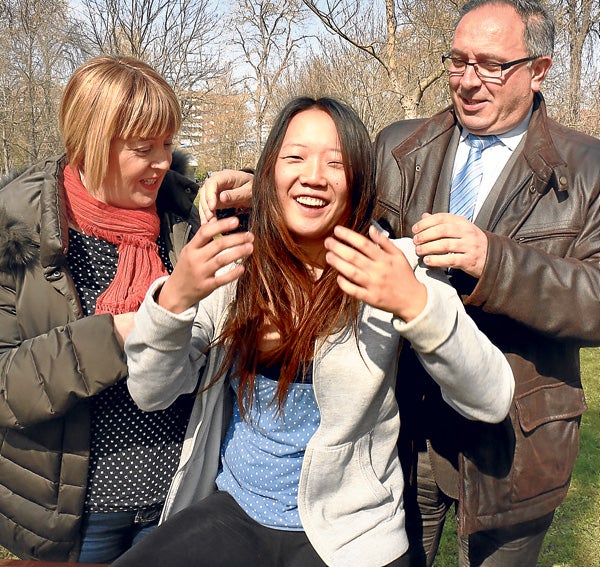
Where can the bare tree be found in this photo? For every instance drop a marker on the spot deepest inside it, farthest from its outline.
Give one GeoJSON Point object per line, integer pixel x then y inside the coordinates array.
{"type": "Point", "coordinates": [221, 119]}
{"type": "Point", "coordinates": [36, 34]}
{"type": "Point", "coordinates": [578, 27]}
{"type": "Point", "coordinates": [177, 37]}
{"type": "Point", "coordinates": [268, 34]}
{"type": "Point", "coordinates": [407, 43]}
{"type": "Point", "coordinates": [348, 74]}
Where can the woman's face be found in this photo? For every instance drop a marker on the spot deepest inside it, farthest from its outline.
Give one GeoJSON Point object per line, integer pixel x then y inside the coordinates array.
{"type": "Point", "coordinates": [310, 179]}
{"type": "Point", "coordinates": [136, 169]}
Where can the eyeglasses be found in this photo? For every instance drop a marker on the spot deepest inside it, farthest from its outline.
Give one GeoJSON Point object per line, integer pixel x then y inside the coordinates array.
{"type": "Point", "coordinates": [484, 69]}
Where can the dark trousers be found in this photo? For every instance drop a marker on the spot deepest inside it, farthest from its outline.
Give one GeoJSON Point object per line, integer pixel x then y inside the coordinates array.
{"type": "Point", "coordinates": [217, 533]}
{"type": "Point", "coordinates": [426, 508]}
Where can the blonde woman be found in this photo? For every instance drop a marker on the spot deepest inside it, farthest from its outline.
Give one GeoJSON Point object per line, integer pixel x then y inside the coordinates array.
{"type": "Point", "coordinates": [83, 472]}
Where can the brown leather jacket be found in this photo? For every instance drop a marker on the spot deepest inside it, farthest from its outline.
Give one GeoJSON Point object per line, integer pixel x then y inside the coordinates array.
{"type": "Point", "coordinates": [52, 360]}
{"type": "Point", "coordinates": [538, 300]}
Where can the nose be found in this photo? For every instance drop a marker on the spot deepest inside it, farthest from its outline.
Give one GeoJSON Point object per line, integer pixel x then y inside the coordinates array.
{"type": "Point", "coordinates": [470, 78]}
{"type": "Point", "coordinates": [161, 158]}
{"type": "Point", "coordinates": [313, 173]}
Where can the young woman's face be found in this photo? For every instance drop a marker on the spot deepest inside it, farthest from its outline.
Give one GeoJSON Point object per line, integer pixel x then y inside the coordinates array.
{"type": "Point", "coordinates": [310, 178]}
{"type": "Point", "coordinates": [136, 169]}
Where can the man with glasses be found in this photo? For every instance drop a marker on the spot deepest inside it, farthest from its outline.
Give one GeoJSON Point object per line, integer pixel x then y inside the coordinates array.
{"type": "Point", "coordinates": [508, 201]}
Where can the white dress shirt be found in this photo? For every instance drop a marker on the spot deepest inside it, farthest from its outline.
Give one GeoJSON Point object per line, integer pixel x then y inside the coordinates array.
{"type": "Point", "coordinates": [494, 158]}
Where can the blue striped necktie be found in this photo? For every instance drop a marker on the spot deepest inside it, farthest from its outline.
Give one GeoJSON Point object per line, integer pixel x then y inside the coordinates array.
{"type": "Point", "coordinates": [466, 182]}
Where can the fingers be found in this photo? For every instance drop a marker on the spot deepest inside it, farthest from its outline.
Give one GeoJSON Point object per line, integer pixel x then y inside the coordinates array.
{"type": "Point", "coordinates": [214, 229]}
{"type": "Point", "coordinates": [431, 225]}
{"type": "Point", "coordinates": [361, 250]}
{"type": "Point", "coordinates": [239, 197]}
{"type": "Point", "coordinates": [356, 242]}
{"type": "Point", "coordinates": [450, 241]}
{"type": "Point", "coordinates": [381, 240]}
{"type": "Point", "coordinates": [198, 271]}
{"type": "Point", "coordinates": [352, 255]}
{"type": "Point", "coordinates": [376, 272]}
{"type": "Point", "coordinates": [213, 248]}
{"type": "Point", "coordinates": [358, 257]}
{"type": "Point", "coordinates": [223, 189]}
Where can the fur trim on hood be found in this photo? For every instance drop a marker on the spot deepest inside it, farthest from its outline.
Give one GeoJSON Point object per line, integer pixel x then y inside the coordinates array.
{"type": "Point", "coordinates": [6, 178]}
{"type": "Point", "coordinates": [17, 244]}
{"type": "Point", "coordinates": [181, 163]}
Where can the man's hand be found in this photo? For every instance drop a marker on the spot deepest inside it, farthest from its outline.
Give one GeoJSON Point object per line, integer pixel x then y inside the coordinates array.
{"type": "Point", "coordinates": [450, 241]}
{"type": "Point", "coordinates": [375, 271]}
{"type": "Point", "coordinates": [195, 275]}
{"type": "Point", "coordinates": [224, 189]}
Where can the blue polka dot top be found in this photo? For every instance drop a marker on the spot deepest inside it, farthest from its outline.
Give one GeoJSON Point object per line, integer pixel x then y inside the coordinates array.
{"type": "Point", "coordinates": [262, 454]}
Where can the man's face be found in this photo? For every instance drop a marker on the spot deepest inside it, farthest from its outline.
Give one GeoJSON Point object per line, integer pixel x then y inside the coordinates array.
{"type": "Point", "coordinates": [494, 33]}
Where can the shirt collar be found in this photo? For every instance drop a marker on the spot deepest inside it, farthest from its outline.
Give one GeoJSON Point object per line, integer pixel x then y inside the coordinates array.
{"type": "Point", "coordinates": [511, 138]}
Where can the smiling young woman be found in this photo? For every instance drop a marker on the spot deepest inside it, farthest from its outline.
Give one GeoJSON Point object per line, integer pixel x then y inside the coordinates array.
{"type": "Point", "coordinates": [300, 336]}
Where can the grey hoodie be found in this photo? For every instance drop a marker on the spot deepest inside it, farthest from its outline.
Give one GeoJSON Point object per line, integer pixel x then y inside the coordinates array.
{"type": "Point", "coordinates": [350, 491]}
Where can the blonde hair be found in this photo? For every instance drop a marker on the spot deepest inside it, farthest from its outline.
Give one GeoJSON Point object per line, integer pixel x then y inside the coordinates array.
{"type": "Point", "coordinates": [111, 97]}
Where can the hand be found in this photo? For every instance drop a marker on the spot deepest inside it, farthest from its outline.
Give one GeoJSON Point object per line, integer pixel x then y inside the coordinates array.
{"type": "Point", "coordinates": [375, 271]}
{"type": "Point", "coordinates": [195, 275]}
{"type": "Point", "coordinates": [449, 241]}
{"type": "Point", "coordinates": [123, 323]}
{"type": "Point", "coordinates": [224, 189]}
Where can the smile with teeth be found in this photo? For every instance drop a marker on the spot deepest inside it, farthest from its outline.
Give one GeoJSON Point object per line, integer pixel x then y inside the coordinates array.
{"type": "Point", "coordinates": [310, 201]}
{"type": "Point", "coordinates": [149, 182]}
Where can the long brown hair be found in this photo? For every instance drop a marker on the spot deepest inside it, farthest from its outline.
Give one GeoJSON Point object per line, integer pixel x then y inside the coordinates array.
{"type": "Point", "coordinates": [277, 287]}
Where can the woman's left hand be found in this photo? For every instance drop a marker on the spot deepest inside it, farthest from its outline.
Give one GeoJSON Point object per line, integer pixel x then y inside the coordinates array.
{"type": "Point", "coordinates": [122, 324]}
{"type": "Point", "coordinates": [375, 271]}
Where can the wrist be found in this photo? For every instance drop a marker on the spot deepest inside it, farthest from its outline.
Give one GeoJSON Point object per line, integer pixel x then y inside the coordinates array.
{"type": "Point", "coordinates": [169, 299]}
{"type": "Point", "coordinates": [412, 309]}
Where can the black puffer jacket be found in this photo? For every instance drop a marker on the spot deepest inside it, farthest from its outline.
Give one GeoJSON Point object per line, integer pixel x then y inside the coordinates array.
{"type": "Point", "coordinates": [52, 360]}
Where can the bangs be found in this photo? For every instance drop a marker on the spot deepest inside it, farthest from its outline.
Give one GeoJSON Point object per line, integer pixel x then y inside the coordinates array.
{"type": "Point", "coordinates": [150, 112]}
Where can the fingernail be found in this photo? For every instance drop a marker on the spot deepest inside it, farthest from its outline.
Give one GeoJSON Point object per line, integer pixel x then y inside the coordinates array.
{"type": "Point", "coordinates": [379, 227]}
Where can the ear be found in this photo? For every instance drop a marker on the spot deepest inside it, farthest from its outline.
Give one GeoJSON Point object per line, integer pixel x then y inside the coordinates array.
{"type": "Point", "coordinates": [539, 70]}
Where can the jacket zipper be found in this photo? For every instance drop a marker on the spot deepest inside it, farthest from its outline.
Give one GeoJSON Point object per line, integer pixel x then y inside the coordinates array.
{"type": "Point", "coordinates": [545, 235]}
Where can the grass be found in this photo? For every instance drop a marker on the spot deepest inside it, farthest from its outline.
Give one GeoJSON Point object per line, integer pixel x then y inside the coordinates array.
{"type": "Point", "coordinates": [574, 537]}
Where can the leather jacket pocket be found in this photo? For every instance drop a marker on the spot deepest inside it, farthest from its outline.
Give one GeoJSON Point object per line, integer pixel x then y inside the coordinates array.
{"type": "Point", "coordinates": [556, 241]}
{"type": "Point", "coordinates": [547, 439]}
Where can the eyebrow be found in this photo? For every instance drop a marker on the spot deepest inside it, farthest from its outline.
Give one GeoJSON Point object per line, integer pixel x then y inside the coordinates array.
{"type": "Point", "coordinates": [484, 56]}
{"type": "Point", "coordinates": [291, 145]}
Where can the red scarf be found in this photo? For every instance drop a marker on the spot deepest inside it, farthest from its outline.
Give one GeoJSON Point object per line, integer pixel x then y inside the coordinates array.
{"type": "Point", "coordinates": [133, 231]}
